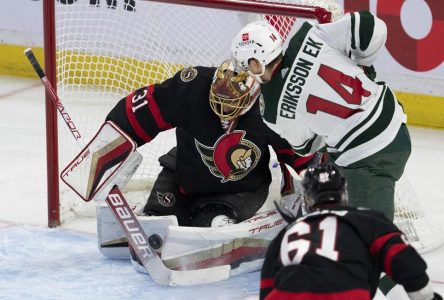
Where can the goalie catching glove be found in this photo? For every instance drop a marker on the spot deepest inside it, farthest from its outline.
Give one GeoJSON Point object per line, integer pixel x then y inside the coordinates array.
{"type": "Point", "coordinates": [110, 159]}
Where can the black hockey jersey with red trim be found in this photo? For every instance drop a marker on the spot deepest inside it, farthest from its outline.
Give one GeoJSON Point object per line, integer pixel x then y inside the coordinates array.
{"type": "Point", "coordinates": [208, 159]}
{"type": "Point", "coordinates": [339, 254]}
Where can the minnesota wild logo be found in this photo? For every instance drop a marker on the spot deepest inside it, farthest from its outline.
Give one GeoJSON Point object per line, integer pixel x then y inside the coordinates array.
{"type": "Point", "coordinates": [231, 158]}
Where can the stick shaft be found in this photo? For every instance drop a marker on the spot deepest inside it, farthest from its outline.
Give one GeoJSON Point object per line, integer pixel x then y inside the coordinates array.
{"type": "Point", "coordinates": [115, 199]}
{"type": "Point", "coordinates": [53, 95]}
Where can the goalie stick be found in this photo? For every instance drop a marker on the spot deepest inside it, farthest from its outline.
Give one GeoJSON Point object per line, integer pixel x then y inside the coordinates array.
{"type": "Point", "coordinates": [126, 217]}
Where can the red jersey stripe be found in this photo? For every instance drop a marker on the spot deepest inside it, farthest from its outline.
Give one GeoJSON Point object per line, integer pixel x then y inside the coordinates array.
{"type": "Point", "coordinates": [302, 161]}
{"type": "Point", "coordinates": [133, 120]}
{"type": "Point", "coordinates": [286, 151]}
{"type": "Point", "coordinates": [356, 294]}
{"type": "Point", "coordinates": [267, 283]}
{"type": "Point", "coordinates": [380, 242]}
{"type": "Point", "coordinates": [395, 249]}
{"type": "Point", "coordinates": [288, 181]}
{"type": "Point", "coordinates": [155, 111]}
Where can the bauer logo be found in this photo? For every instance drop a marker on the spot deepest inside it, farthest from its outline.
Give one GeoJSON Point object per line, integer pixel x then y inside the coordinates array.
{"type": "Point", "coordinates": [129, 223]}
{"type": "Point", "coordinates": [245, 37]}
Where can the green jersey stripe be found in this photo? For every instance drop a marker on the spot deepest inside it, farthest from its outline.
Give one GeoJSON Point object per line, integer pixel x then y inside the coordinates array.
{"type": "Point", "coordinates": [381, 124]}
{"type": "Point", "coordinates": [306, 147]}
{"type": "Point", "coordinates": [296, 42]}
{"type": "Point", "coordinates": [353, 21]}
{"type": "Point", "coordinates": [360, 125]}
{"type": "Point", "coordinates": [366, 28]}
{"type": "Point", "coordinates": [272, 90]}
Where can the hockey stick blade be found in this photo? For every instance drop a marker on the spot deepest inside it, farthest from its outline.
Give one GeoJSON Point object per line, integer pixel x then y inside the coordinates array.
{"type": "Point", "coordinates": [128, 221]}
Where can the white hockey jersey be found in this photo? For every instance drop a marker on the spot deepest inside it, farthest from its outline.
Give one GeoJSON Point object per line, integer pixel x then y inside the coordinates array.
{"type": "Point", "coordinates": [323, 97]}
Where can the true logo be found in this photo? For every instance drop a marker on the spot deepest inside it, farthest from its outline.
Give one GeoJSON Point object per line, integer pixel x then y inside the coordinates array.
{"type": "Point", "coordinates": [130, 225]}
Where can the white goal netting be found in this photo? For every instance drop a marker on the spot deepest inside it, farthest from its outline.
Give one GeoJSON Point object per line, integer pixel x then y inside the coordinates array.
{"type": "Point", "coordinates": [106, 49]}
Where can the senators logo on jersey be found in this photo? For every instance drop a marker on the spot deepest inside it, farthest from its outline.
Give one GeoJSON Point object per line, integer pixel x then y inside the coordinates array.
{"type": "Point", "coordinates": [231, 158]}
{"type": "Point", "coordinates": [166, 199]}
{"type": "Point", "coordinates": [188, 74]}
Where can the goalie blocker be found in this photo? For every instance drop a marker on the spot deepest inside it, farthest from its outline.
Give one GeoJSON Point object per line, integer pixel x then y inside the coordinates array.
{"type": "Point", "coordinates": [110, 159]}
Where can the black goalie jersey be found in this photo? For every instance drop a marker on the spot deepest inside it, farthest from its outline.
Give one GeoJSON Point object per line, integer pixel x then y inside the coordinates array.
{"type": "Point", "coordinates": [339, 254]}
{"type": "Point", "coordinates": [208, 159]}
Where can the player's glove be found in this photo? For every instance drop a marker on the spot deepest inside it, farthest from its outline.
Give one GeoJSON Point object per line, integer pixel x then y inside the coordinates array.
{"type": "Point", "coordinates": [425, 293]}
{"type": "Point", "coordinates": [290, 206]}
{"type": "Point", "coordinates": [293, 202]}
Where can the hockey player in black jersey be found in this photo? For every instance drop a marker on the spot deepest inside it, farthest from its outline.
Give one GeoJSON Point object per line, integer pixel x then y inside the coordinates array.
{"type": "Point", "coordinates": [339, 252]}
{"type": "Point", "coordinates": [221, 164]}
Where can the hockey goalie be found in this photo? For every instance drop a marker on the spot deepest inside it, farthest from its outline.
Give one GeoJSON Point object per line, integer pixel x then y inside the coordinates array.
{"type": "Point", "coordinates": [211, 203]}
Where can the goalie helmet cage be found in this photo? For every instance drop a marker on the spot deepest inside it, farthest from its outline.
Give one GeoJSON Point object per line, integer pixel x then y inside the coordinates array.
{"type": "Point", "coordinates": [97, 52]}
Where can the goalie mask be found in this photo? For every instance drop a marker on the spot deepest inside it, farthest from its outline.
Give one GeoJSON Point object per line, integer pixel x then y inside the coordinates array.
{"type": "Point", "coordinates": [257, 40]}
{"type": "Point", "coordinates": [324, 184]}
{"type": "Point", "coordinates": [232, 93]}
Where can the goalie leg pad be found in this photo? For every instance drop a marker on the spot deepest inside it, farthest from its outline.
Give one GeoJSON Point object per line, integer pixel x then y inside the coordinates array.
{"type": "Point", "coordinates": [112, 241]}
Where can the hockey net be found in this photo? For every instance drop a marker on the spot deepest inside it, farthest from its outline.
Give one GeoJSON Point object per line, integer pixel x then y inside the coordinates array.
{"type": "Point", "coordinates": [106, 49]}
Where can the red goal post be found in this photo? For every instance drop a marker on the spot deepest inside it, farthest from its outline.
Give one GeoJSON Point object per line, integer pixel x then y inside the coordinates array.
{"type": "Point", "coordinates": [321, 14]}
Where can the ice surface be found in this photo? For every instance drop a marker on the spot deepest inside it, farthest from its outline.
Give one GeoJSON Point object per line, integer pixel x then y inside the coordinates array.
{"type": "Point", "coordinates": [42, 263]}
{"type": "Point", "coordinates": [64, 263]}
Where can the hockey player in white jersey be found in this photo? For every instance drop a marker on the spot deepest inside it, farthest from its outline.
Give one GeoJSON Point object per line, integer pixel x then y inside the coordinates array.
{"type": "Point", "coordinates": [320, 93]}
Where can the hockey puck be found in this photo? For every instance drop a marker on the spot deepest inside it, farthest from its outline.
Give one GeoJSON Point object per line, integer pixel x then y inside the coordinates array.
{"type": "Point", "coordinates": [155, 241]}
